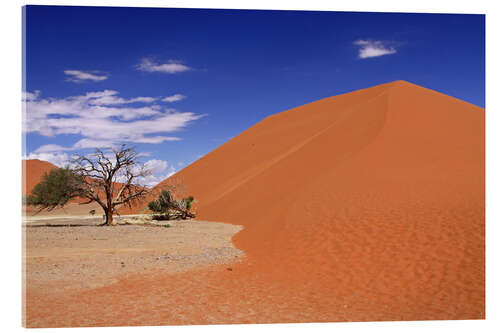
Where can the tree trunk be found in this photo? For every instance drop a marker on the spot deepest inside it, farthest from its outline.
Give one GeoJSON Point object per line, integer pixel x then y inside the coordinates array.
{"type": "Point", "coordinates": [109, 217]}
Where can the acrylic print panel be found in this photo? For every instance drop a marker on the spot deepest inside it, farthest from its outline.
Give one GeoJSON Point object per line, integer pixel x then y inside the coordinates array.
{"type": "Point", "coordinates": [196, 166]}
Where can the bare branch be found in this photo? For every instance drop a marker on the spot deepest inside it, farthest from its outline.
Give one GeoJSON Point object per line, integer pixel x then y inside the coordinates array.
{"type": "Point", "coordinates": [104, 172]}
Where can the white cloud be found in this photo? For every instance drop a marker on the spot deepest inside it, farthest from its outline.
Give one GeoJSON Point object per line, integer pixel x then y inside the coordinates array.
{"type": "Point", "coordinates": [58, 159]}
{"type": "Point", "coordinates": [157, 139]}
{"type": "Point", "coordinates": [373, 48]}
{"type": "Point", "coordinates": [173, 98]}
{"type": "Point", "coordinates": [80, 76]}
{"type": "Point", "coordinates": [170, 172]}
{"type": "Point", "coordinates": [100, 124]}
{"type": "Point", "coordinates": [160, 169]}
{"type": "Point", "coordinates": [90, 143]}
{"type": "Point", "coordinates": [156, 166]}
{"type": "Point", "coordinates": [154, 179]}
{"type": "Point", "coordinates": [171, 67]}
{"type": "Point", "coordinates": [50, 148]}
{"type": "Point", "coordinates": [108, 97]}
{"type": "Point", "coordinates": [27, 96]}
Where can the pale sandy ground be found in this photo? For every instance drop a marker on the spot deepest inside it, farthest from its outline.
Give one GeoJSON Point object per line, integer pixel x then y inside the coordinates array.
{"type": "Point", "coordinates": [61, 259]}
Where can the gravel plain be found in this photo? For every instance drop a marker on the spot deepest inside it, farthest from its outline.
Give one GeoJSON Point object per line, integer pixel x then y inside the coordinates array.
{"type": "Point", "coordinates": [84, 255]}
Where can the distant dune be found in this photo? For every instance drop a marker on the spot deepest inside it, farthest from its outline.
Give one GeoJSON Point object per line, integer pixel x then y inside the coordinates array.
{"type": "Point", "coordinates": [33, 171]}
{"type": "Point", "coordinates": [373, 198]}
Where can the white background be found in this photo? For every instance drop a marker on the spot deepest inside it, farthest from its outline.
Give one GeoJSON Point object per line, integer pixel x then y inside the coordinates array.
{"type": "Point", "coordinates": [10, 157]}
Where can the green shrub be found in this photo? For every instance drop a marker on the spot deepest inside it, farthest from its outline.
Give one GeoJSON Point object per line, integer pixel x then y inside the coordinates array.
{"type": "Point", "coordinates": [167, 208]}
{"type": "Point", "coordinates": [55, 189]}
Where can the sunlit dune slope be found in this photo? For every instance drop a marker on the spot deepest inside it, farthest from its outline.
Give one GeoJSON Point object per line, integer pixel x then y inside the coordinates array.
{"type": "Point", "coordinates": [33, 170]}
{"type": "Point", "coordinates": [376, 197]}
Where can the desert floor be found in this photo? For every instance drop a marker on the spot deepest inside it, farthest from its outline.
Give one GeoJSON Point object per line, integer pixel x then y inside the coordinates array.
{"type": "Point", "coordinates": [71, 262]}
{"type": "Point", "coordinates": [190, 273]}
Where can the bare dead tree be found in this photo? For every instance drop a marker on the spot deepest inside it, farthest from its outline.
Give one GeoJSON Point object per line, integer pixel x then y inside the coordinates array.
{"type": "Point", "coordinates": [111, 178]}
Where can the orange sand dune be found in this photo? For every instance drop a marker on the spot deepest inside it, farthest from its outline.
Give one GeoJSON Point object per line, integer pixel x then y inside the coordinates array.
{"type": "Point", "coordinates": [33, 170]}
{"type": "Point", "coordinates": [359, 207]}
{"type": "Point", "coordinates": [374, 198]}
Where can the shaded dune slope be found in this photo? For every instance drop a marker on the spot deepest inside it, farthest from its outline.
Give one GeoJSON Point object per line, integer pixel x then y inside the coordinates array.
{"type": "Point", "coordinates": [372, 199]}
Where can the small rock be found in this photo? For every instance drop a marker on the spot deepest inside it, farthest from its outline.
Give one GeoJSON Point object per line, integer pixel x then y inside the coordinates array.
{"type": "Point", "coordinates": [229, 269]}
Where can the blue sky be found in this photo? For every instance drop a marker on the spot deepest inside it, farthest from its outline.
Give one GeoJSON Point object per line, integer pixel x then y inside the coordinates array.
{"type": "Point", "coordinates": [177, 83]}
